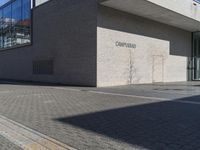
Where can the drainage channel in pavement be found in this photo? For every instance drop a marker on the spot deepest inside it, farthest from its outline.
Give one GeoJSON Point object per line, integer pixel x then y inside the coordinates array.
{"type": "Point", "coordinates": [27, 138]}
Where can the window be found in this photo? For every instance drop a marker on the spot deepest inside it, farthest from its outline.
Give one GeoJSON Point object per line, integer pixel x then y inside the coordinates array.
{"type": "Point", "coordinates": [15, 23]}
{"type": "Point", "coordinates": [2, 2]}
{"type": "Point", "coordinates": [198, 1]}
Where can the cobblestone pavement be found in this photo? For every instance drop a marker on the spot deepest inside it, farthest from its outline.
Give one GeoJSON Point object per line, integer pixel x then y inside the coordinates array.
{"type": "Point", "coordinates": [146, 117]}
{"type": "Point", "coordinates": [7, 145]}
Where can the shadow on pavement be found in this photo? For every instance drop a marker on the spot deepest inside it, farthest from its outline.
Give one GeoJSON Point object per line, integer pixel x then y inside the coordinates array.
{"type": "Point", "coordinates": [155, 126]}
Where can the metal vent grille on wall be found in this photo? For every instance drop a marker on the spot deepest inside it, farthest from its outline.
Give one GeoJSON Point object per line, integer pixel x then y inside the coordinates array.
{"type": "Point", "coordinates": [43, 67]}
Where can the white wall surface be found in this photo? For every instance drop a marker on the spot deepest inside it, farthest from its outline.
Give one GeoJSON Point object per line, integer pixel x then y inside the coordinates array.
{"type": "Point", "coordinates": [160, 55]}
{"type": "Point", "coordinates": [189, 8]}
{"type": "Point", "coordinates": [39, 2]}
{"type": "Point", "coordinates": [184, 14]}
{"type": "Point", "coordinates": [121, 66]}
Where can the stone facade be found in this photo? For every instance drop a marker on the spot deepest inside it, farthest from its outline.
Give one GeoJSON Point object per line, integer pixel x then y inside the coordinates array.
{"type": "Point", "coordinates": [63, 32]}
{"type": "Point", "coordinates": [92, 45]}
{"type": "Point", "coordinates": [160, 55]}
{"type": "Point", "coordinates": [189, 8]}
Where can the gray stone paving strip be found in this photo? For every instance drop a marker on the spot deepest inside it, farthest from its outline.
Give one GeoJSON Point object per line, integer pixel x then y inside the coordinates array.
{"type": "Point", "coordinates": [27, 138]}
{"type": "Point", "coordinates": [126, 95]}
{"type": "Point", "coordinates": [113, 94]}
{"type": "Point", "coordinates": [104, 93]}
{"type": "Point", "coordinates": [145, 97]}
{"type": "Point", "coordinates": [5, 144]}
{"type": "Point", "coordinates": [132, 96]}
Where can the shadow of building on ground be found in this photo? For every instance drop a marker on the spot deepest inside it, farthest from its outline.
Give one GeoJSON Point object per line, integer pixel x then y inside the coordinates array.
{"type": "Point", "coordinates": [155, 126]}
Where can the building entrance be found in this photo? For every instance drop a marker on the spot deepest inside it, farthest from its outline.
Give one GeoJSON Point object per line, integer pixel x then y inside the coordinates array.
{"type": "Point", "coordinates": [196, 56]}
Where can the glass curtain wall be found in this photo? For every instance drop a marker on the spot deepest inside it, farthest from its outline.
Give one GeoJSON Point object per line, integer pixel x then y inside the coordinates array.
{"type": "Point", "coordinates": [196, 56]}
{"type": "Point", "coordinates": [15, 23]}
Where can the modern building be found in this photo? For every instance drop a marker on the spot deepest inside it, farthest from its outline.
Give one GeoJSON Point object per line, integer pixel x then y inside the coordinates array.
{"type": "Point", "coordinates": [100, 42]}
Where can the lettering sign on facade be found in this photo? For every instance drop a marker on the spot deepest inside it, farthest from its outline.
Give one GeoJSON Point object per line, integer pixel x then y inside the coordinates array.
{"type": "Point", "coordinates": [125, 44]}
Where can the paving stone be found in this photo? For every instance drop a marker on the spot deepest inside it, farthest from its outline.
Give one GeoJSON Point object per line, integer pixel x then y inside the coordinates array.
{"type": "Point", "coordinates": [89, 120]}
{"type": "Point", "coordinates": [7, 145]}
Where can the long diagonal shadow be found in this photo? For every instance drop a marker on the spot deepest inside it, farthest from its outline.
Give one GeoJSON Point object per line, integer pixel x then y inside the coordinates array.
{"type": "Point", "coordinates": [154, 126]}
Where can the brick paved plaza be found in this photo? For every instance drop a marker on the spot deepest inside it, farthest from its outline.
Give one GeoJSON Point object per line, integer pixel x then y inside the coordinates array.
{"type": "Point", "coordinates": [137, 117]}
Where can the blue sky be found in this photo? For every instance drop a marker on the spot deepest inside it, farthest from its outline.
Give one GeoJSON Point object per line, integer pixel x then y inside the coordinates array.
{"type": "Point", "coordinates": [3, 2]}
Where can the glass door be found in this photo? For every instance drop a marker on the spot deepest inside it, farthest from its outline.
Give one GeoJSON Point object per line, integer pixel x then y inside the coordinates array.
{"type": "Point", "coordinates": [196, 56]}
{"type": "Point", "coordinates": [196, 68]}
